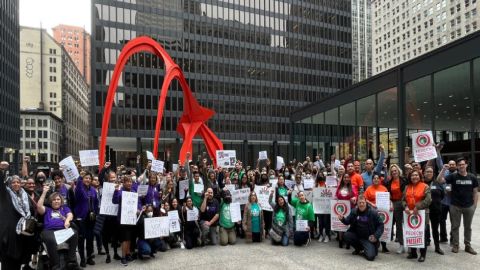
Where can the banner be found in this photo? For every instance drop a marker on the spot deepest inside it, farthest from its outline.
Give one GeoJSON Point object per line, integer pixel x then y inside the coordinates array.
{"type": "Point", "coordinates": [414, 230]}
{"type": "Point", "coordinates": [339, 208]}
{"type": "Point", "coordinates": [106, 206]}
{"type": "Point", "coordinates": [69, 169]}
{"type": "Point", "coordinates": [263, 194]}
{"type": "Point", "coordinates": [321, 200]}
{"type": "Point", "coordinates": [88, 157]}
{"type": "Point", "coordinates": [226, 158]}
{"type": "Point", "coordinates": [129, 208]}
{"type": "Point", "coordinates": [387, 218]}
{"type": "Point", "coordinates": [423, 146]}
{"type": "Point", "coordinates": [240, 195]}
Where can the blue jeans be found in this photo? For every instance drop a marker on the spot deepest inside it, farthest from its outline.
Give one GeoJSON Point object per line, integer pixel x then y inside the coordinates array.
{"type": "Point", "coordinates": [147, 247]}
{"type": "Point", "coordinates": [284, 241]}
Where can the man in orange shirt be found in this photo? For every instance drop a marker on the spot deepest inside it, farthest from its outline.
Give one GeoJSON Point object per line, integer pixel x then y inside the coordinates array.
{"type": "Point", "coordinates": [355, 178]}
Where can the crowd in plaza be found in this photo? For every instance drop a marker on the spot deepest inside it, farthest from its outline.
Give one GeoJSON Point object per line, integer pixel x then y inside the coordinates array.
{"type": "Point", "coordinates": [36, 205]}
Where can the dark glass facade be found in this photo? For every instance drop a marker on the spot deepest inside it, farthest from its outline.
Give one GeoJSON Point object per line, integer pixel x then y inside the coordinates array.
{"type": "Point", "coordinates": [9, 76]}
{"type": "Point", "coordinates": [439, 91]}
{"type": "Point", "coordinates": [253, 62]}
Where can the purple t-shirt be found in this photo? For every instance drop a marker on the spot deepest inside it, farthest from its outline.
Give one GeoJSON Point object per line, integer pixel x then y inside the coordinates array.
{"type": "Point", "coordinates": [55, 219]}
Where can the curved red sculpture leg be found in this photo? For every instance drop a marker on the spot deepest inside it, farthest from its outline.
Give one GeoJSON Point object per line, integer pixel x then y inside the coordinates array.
{"type": "Point", "coordinates": [194, 117]}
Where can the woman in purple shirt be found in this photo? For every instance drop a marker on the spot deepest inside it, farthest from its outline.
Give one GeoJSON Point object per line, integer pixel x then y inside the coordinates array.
{"type": "Point", "coordinates": [57, 217]}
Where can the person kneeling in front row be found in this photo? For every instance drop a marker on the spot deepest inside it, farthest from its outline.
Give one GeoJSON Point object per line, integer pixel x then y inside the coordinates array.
{"type": "Point", "coordinates": [365, 230]}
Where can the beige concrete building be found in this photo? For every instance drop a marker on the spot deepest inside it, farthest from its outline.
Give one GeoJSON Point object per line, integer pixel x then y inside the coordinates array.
{"type": "Point", "coordinates": [51, 82]}
{"type": "Point", "coordinates": [405, 29]}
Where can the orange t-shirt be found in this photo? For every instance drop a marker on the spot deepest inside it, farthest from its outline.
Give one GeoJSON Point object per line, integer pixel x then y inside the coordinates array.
{"type": "Point", "coordinates": [372, 190]}
{"type": "Point", "coordinates": [356, 180]}
{"type": "Point", "coordinates": [414, 194]}
{"type": "Point", "coordinates": [396, 190]}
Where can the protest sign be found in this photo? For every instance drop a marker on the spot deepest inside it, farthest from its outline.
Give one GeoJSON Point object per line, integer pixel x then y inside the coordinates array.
{"type": "Point", "coordinates": [414, 230]}
{"type": "Point", "coordinates": [383, 200]}
{"type": "Point", "coordinates": [240, 195]}
{"type": "Point", "coordinates": [128, 215]}
{"type": "Point", "coordinates": [331, 181]}
{"type": "Point", "coordinates": [182, 186]}
{"type": "Point", "coordinates": [263, 194]}
{"type": "Point", "coordinates": [198, 188]}
{"type": "Point", "coordinates": [262, 155]}
{"type": "Point", "coordinates": [174, 220]}
{"type": "Point", "coordinates": [106, 206]}
{"type": "Point", "coordinates": [150, 155]}
{"type": "Point", "coordinates": [289, 183]}
{"type": "Point", "coordinates": [152, 227]}
{"type": "Point", "coordinates": [423, 146]}
{"type": "Point", "coordinates": [321, 200]}
{"type": "Point", "coordinates": [142, 190]}
{"type": "Point", "coordinates": [88, 157]}
{"type": "Point", "coordinates": [235, 213]}
{"type": "Point", "coordinates": [230, 187]}
{"type": "Point", "coordinates": [226, 158]}
{"type": "Point", "coordinates": [301, 225]}
{"type": "Point", "coordinates": [387, 219]}
{"type": "Point", "coordinates": [69, 169]}
{"type": "Point", "coordinates": [308, 183]}
{"type": "Point", "coordinates": [280, 162]}
{"type": "Point", "coordinates": [157, 166]}
{"type": "Point", "coordinates": [63, 235]}
{"type": "Point", "coordinates": [339, 207]}
{"type": "Point", "coordinates": [192, 215]}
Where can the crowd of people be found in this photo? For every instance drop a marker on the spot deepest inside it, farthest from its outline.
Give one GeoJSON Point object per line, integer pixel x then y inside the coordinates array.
{"type": "Point", "coordinates": [35, 205]}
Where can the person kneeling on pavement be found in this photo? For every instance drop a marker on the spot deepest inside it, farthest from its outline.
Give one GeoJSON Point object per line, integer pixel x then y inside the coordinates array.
{"type": "Point", "coordinates": [365, 230]}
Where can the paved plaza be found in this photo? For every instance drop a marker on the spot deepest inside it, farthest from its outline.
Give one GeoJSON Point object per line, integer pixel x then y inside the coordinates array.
{"type": "Point", "coordinates": [315, 256]}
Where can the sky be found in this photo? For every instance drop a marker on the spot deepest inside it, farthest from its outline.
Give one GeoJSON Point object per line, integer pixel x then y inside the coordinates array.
{"type": "Point", "coordinates": [51, 13]}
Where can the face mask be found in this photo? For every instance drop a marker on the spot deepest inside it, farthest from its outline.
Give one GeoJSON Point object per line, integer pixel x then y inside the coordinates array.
{"type": "Point", "coordinates": [150, 214]}
{"type": "Point", "coordinates": [272, 177]}
{"type": "Point", "coordinates": [287, 174]}
{"type": "Point", "coordinates": [41, 179]}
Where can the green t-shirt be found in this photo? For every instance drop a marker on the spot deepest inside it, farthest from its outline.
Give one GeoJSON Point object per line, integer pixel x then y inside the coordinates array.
{"type": "Point", "coordinates": [255, 213]}
{"type": "Point", "coordinates": [225, 217]}
{"type": "Point", "coordinates": [303, 210]}
{"type": "Point", "coordinates": [196, 197]}
{"type": "Point", "coordinates": [283, 191]}
{"type": "Point", "coordinates": [280, 217]}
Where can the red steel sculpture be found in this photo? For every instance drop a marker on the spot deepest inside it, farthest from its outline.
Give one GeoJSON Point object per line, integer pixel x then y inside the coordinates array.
{"type": "Point", "coordinates": [194, 117]}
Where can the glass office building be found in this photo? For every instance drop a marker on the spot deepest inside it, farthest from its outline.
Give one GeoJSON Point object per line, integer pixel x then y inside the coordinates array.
{"type": "Point", "coordinates": [439, 91]}
{"type": "Point", "coordinates": [253, 62]}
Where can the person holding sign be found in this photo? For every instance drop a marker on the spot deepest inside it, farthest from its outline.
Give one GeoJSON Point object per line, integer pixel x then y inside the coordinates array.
{"type": "Point", "coordinates": [370, 196]}
{"type": "Point", "coordinates": [417, 197]}
{"type": "Point", "coordinates": [153, 196]}
{"type": "Point", "coordinates": [57, 217]}
{"type": "Point", "coordinates": [196, 189]}
{"type": "Point", "coordinates": [252, 222]}
{"type": "Point", "coordinates": [346, 191]}
{"type": "Point", "coordinates": [191, 228]}
{"type": "Point", "coordinates": [60, 186]}
{"type": "Point", "coordinates": [282, 222]}
{"type": "Point", "coordinates": [209, 218]}
{"type": "Point", "coordinates": [303, 211]}
{"type": "Point", "coordinates": [395, 184]}
{"type": "Point", "coordinates": [365, 230]}
{"type": "Point", "coordinates": [125, 232]}
{"type": "Point", "coordinates": [86, 210]}
{"type": "Point", "coordinates": [438, 193]}
{"type": "Point", "coordinates": [147, 247]}
{"type": "Point", "coordinates": [227, 226]}
{"type": "Point", "coordinates": [323, 219]}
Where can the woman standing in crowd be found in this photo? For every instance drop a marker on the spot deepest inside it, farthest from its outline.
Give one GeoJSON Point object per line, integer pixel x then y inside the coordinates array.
{"type": "Point", "coordinates": [323, 219]}
{"type": "Point", "coordinates": [191, 228]}
{"type": "Point", "coordinates": [282, 223]}
{"type": "Point", "coordinates": [437, 193]}
{"type": "Point", "coordinates": [253, 222]}
{"type": "Point", "coordinates": [395, 184]}
{"type": "Point", "coordinates": [371, 197]}
{"type": "Point", "coordinates": [417, 197]}
{"type": "Point", "coordinates": [86, 209]}
{"type": "Point", "coordinates": [57, 217]}
{"type": "Point", "coordinates": [346, 191]}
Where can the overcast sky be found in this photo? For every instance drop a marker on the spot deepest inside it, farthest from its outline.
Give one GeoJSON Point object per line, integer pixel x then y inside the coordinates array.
{"type": "Point", "coordinates": [54, 12]}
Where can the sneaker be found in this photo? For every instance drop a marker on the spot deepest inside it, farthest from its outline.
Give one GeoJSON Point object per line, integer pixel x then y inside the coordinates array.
{"type": "Point", "coordinates": [421, 259]}
{"type": "Point", "coordinates": [455, 249]}
{"type": "Point", "coordinates": [182, 246]}
{"type": "Point", "coordinates": [400, 249]}
{"type": "Point", "coordinates": [470, 250]}
{"type": "Point", "coordinates": [129, 258]}
{"type": "Point", "coordinates": [123, 261]}
{"type": "Point", "coordinates": [321, 239]}
{"type": "Point", "coordinates": [439, 251]}
{"type": "Point", "coordinates": [326, 240]}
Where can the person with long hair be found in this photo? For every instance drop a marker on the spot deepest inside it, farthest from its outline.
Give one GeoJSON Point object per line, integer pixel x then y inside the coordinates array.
{"type": "Point", "coordinates": [417, 197]}
{"type": "Point", "coordinates": [303, 211]}
{"type": "Point", "coordinates": [191, 227]}
{"type": "Point", "coordinates": [349, 192]}
{"type": "Point", "coordinates": [253, 222]}
{"type": "Point", "coordinates": [438, 193]}
{"type": "Point", "coordinates": [282, 221]}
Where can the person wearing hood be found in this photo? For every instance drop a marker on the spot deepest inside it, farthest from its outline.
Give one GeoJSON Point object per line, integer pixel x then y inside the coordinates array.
{"type": "Point", "coordinates": [227, 226]}
{"type": "Point", "coordinates": [365, 230]}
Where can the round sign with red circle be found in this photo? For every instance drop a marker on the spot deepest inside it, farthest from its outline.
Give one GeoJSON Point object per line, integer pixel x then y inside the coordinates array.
{"type": "Point", "coordinates": [384, 216]}
{"type": "Point", "coordinates": [414, 221]}
{"type": "Point", "coordinates": [340, 208]}
{"type": "Point", "coordinates": [423, 140]}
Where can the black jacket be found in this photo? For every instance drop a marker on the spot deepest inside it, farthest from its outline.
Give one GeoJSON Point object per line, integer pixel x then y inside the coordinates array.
{"type": "Point", "coordinates": [375, 224]}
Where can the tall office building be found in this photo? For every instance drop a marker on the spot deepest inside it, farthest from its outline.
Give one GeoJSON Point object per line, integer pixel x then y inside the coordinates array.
{"type": "Point", "coordinates": [253, 62]}
{"type": "Point", "coordinates": [361, 40]}
{"type": "Point", "coordinates": [76, 42]}
{"type": "Point", "coordinates": [403, 30]}
{"type": "Point", "coordinates": [52, 83]}
{"type": "Point", "coordinates": [9, 78]}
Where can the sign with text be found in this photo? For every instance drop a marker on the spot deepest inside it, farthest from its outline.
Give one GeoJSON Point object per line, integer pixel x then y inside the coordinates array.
{"type": "Point", "coordinates": [88, 157]}
{"type": "Point", "coordinates": [280, 163]}
{"type": "Point", "coordinates": [240, 195]}
{"type": "Point", "coordinates": [383, 200]}
{"type": "Point", "coordinates": [129, 208]}
{"type": "Point", "coordinates": [414, 230]}
{"type": "Point", "coordinates": [235, 213]}
{"type": "Point", "coordinates": [321, 200]}
{"type": "Point", "coordinates": [69, 169]}
{"type": "Point", "coordinates": [150, 155]}
{"type": "Point", "coordinates": [387, 218]}
{"type": "Point", "coordinates": [339, 207]}
{"type": "Point", "coordinates": [262, 155]}
{"type": "Point", "coordinates": [423, 146]}
{"type": "Point", "coordinates": [157, 166]}
{"type": "Point", "coordinates": [226, 158]}
{"type": "Point", "coordinates": [182, 186]}
{"type": "Point", "coordinates": [263, 194]}
{"type": "Point", "coordinates": [106, 206]}
{"type": "Point", "coordinates": [331, 181]}
{"type": "Point", "coordinates": [174, 220]}
{"type": "Point", "coordinates": [192, 215]}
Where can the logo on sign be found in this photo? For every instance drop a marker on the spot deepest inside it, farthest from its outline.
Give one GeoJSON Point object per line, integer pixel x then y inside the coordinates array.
{"type": "Point", "coordinates": [414, 221]}
{"type": "Point", "coordinates": [423, 140]}
{"type": "Point", "coordinates": [340, 208]}
{"type": "Point", "coordinates": [384, 216]}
